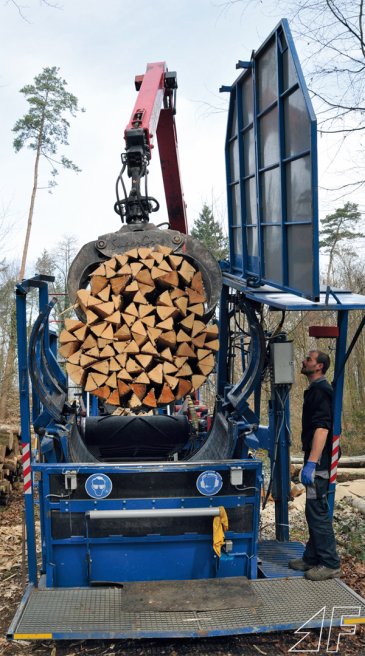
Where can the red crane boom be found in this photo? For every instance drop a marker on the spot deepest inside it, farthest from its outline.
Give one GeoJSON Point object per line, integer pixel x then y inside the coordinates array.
{"type": "Point", "coordinates": [153, 117]}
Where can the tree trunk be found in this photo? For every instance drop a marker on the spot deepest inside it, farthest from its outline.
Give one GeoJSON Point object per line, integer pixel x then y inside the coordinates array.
{"type": "Point", "coordinates": [332, 253]}
{"type": "Point", "coordinates": [7, 380]}
{"type": "Point", "coordinates": [30, 215]}
{"type": "Point", "coordinates": [32, 200]}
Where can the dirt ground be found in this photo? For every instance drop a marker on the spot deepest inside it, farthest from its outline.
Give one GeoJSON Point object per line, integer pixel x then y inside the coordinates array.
{"type": "Point", "coordinates": [273, 644]}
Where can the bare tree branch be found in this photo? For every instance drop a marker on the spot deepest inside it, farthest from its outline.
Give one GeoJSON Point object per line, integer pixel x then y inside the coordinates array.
{"type": "Point", "coordinates": [21, 9]}
{"type": "Point", "coordinates": [330, 33]}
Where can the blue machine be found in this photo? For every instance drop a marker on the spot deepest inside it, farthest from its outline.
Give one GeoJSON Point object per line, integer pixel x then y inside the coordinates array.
{"type": "Point", "coordinates": [118, 523]}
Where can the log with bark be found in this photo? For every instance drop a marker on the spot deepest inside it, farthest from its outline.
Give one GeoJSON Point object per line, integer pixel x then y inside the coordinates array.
{"type": "Point", "coordinates": [10, 462]}
{"type": "Point", "coordinates": [145, 342]}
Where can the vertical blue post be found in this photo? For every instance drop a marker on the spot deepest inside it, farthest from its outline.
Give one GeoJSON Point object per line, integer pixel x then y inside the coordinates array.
{"type": "Point", "coordinates": [21, 325]}
{"type": "Point", "coordinates": [339, 376]}
{"type": "Point", "coordinates": [94, 407]}
{"type": "Point", "coordinates": [43, 300]}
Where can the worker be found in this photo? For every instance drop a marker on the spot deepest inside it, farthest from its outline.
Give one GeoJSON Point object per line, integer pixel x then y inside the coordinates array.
{"type": "Point", "coordinates": [320, 560]}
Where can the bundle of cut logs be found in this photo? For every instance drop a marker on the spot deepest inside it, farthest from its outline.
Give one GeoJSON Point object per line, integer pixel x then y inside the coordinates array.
{"type": "Point", "coordinates": [10, 461]}
{"type": "Point", "coordinates": [144, 341]}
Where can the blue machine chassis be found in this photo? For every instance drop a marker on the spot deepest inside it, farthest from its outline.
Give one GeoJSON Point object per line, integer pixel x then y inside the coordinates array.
{"type": "Point", "coordinates": [82, 549]}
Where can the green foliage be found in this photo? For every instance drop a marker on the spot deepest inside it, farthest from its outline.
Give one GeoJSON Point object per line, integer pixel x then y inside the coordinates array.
{"type": "Point", "coordinates": [350, 531]}
{"type": "Point", "coordinates": [339, 226]}
{"type": "Point", "coordinates": [45, 126]}
{"type": "Point", "coordinates": [209, 231]}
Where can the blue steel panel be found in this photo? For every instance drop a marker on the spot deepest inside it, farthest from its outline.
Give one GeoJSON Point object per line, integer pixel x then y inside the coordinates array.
{"type": "Point", "coordinates": [337, 300]}
{"type": "Point", "coordinates": [271, 163]}
{"type": "Point", "coordinates": [81, 559]}
{"type": "Point", "coordinates": [151, 558]}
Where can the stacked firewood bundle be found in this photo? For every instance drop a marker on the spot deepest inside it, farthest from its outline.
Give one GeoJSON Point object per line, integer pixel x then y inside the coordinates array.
{"type": "Point", "coordinates": [144, 342]}
{"type": "Point", "coordinates": [10, 462]}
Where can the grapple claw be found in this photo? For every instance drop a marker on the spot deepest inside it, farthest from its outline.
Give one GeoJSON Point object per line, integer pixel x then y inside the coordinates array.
{"type": "Point", "coordinates": [131, 236]}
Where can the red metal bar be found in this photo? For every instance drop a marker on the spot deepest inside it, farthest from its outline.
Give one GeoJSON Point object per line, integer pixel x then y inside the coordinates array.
{"type": "Point", "coordinates": [149, 101]}
{"type": "Point", "coordinates": [323, 331]}
{"type": "Point", "coordinates": [168, 149]}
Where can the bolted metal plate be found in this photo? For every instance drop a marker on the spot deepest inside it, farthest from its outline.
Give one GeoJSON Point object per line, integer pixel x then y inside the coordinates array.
{"type": "Point", "coordinates": [104, 612]}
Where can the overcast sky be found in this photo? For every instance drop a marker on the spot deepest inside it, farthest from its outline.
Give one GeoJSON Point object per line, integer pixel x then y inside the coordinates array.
{"type": "Point", "coordinates": [100, 45]}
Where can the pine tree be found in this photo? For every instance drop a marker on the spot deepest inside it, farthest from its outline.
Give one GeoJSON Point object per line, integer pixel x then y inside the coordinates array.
{"type": "Point", "coordinates": [337, 227]}
{"type": "Point", "coordinates": [209, 231]}
{"type": "Point", "coordinates": [45, 263]}
{"type": "Point", "coordinates": [43, 129]}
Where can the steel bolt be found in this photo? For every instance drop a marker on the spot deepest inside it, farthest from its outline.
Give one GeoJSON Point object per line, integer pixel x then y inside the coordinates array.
{"type": "Point", "coordinates": [176, 239]}
{"type": "Point", "coordinates": [101, 243]}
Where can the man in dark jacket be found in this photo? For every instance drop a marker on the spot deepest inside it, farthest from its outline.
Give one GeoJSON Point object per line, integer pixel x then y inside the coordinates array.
{"type": "Point", "coordinates": [320, 559]}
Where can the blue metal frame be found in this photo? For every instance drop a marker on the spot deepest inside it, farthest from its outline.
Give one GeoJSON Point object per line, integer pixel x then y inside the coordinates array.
{"type": "Point", "coordinates": [243, 263]}
{"type": "Point", "coordinates": [339, 301]}
{"type": "Point", "coordinates": [339, 376]}
{"type": "Point", "coordinates": [64, 557]}
{"type": "Point", "coordinates": [21, 322]}
{"type": "Point", "coordinates": [39, 282]}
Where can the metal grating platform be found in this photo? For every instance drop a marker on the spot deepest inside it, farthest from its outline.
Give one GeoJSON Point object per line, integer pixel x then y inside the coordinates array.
{"type": "Point", "coordinates": [275, 556]}
{"type": "Point", "coordinates": [102, 613]}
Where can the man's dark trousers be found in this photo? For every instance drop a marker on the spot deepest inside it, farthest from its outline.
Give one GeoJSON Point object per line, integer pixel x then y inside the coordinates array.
{"type": "Point", "coordinates": [321, 546]}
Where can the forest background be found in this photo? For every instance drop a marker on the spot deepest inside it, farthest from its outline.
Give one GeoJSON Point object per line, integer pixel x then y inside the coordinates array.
{"type": "Point", "coordinates": [329, 36]}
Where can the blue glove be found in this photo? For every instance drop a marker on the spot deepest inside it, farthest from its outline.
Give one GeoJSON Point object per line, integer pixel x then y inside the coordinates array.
{"type": "Point", "coordinates": [308, 473]}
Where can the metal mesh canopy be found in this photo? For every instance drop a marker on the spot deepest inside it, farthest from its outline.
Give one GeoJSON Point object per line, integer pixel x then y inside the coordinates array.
{"type": "Point", "coordinates": [271, 160]}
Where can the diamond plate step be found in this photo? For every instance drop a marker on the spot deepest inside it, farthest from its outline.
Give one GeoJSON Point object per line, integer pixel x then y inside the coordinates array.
{"type": "Point", "coordinates": [102, 613]}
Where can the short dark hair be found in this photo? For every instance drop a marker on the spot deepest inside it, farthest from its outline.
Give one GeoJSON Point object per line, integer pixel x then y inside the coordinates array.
{"type": "Point", "coordinates": [324, 359]}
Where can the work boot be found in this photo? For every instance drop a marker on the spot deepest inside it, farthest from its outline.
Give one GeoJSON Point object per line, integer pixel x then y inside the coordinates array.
{"type": "Point", "coordinates": [322, 573]}
{"type": "Point", "coordinates": [299, 565]}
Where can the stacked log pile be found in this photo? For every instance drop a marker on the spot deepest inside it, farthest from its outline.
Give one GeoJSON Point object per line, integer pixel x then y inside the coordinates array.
{"type": "Point", "coordinates": [144, 341]}
{"type": "Point", "coordinates": [10, 462]}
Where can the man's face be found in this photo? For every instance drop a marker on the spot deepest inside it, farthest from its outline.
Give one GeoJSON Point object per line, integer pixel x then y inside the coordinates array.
{"type": "Point", "coordinates": [310, 364]}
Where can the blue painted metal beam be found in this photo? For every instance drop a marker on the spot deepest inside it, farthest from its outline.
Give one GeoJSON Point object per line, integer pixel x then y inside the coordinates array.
{"type": "Point", "coordinates": [21, 323]}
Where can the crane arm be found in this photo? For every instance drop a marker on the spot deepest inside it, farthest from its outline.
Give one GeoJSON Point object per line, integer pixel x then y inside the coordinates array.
{"type": "Point", "coordinates": [153, 118]}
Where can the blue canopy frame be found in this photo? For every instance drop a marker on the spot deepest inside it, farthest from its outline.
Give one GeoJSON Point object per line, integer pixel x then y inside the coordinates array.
{"type": "Point", "coordinates": [271, 163]}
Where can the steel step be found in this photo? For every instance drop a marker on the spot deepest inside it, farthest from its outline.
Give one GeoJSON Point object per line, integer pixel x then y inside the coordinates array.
{"type": "Point", "coordinates": [274, 557]}
{"type": "Point", "coordinates": [104, 613]}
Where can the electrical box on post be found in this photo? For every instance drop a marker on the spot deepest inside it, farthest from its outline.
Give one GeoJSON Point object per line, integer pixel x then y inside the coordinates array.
{"type": "Point", "coordinates": [282, 362]}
